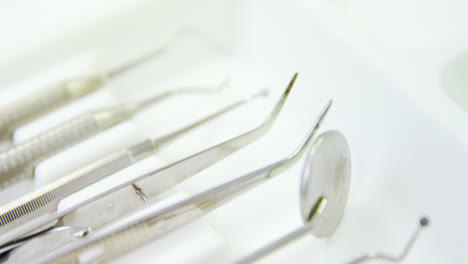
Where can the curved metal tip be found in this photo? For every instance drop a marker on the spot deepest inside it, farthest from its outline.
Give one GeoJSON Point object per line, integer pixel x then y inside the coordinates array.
{"type": "Point", "coordinates": [268, 123]}
{"type": "Point", "coordinates": [312, 131]}
{"type": "Point", "coordinates": [281, 101]}
{"type": "Point", "coordinates": [261, 93]}
{"type": "Point", "coordinates": [290, 85]}
{"type": "Point", "coordinates": [423, 222]}
{"type": "Point", "coordinates": [181, 90]}
{"type": "Point", "coordinates": [324, 112]}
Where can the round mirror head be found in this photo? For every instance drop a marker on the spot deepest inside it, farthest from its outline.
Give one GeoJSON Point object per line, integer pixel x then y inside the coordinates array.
{"type": "Point", "coordinates": [325, 183]}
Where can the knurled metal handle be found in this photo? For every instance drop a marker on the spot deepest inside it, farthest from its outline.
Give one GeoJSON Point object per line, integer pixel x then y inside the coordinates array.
{"type": "Point", "coordinates": [43, 101]}
{"type": "Point", "coordinates": [24, 155]}
{"type": "Point", "coordinates": [31, 106]}
{"type": "Point", "coordinates": [47, 198]}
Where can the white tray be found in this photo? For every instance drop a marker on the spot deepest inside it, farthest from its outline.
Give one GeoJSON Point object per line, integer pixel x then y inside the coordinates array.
{"type": "Point", "coordinates": [407, 159]}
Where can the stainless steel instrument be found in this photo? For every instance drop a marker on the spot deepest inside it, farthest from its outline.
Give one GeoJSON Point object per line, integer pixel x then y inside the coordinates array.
{"type": "Point", "coordinates": [325, 183]}
{"type": "Point", "coordinates": [18, 162]}
{"type": "Point", "coordinates": [374, 255]}
{"type": "Point", "coordinates": [45, 199]}
{"type": "Point", "coordinates": [165, 177]}
{"type": "Point", "coordinates": [56, 95]}
{"type": "Point", "coordinates": [97, 247]}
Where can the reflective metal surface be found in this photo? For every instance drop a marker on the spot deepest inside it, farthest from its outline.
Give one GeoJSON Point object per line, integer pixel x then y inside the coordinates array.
{"type": "Point", "coordinates": [18, 162]}
{"type": "Point", "coordinates": [324, 191]}
{"type": "Point", "coordinates": [119, 240]}
{"type": "Point", "coordinates": [326, 174]}
{"type": "Point", "coordinates": [165, 178]}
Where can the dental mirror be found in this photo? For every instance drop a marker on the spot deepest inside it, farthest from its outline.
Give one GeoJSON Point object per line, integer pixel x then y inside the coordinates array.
{"type": "Point", "coordinates": [324, 190]}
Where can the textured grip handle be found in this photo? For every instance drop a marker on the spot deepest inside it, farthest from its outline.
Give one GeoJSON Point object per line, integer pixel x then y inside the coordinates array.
{"type": "Point", "coordinates": [46, 199]}
{"type": "Point", "coordinates": [25, 154]}
{"type": "Point", "coordinates": [43, 101]}
{"type": "Point", "coordinates": [31, 106]}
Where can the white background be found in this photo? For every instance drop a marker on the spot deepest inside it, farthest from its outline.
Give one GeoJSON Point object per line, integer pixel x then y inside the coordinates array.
{"type": "Point", "coordinates": [395, 71]}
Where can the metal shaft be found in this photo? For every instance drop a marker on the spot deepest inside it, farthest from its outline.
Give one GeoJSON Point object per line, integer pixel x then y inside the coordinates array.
{"type": "Point", "coordinates": [171, 174]}
{"type": "Point", "coordinates": [47, 198]}
{"type": "Point", "coordinates": [18, 162]}
{"type": "Point", "coordinates": [275, 245]}
{"type": "Point", "coordinates": [167, 219]}
{"type": "Point", "coordinates": [44, 101]}
{"type": "Point", "coordinates": [373, 255]}
{"type": "Point", "coordinates": [49, 98]}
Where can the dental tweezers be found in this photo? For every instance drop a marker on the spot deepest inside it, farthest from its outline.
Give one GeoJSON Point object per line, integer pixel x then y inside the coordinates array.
{"type": "Point", "coordinates": [18, 162]}
{"type": "Point", "coordinates": [105, 246]}
{"type": "Point", "coordinates": [167, 177]}
{"type": "Point", "coordinates": [45, 199]}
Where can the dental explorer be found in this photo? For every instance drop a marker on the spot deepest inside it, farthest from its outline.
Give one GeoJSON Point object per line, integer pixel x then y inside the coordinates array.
{"type": "Point", "coordinates": [104, 246]}
{"type": "Point", "coordinates": [47, 99]}
{"type": "Point", "coordinates": [18, 162]}
{"type": "Point", "coordinates": [45, 199]}
{"type": "Point", "coordinates": [324, 191]}
{"type": "Point", "coordinates": [373, 255]}
{"type": "Point", "coordinates": [172, 174]}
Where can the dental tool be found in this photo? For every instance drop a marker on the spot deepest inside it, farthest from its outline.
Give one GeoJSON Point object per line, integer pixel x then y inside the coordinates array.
{"type": "Point", "coordinates": [47, 99]}
{"type": "Point", "coordinates": [46, 199]}
{"type": "Point", "coordinates": [102, 247]}
{"type": "Point", "coordinates": [18, 162]}
{"type": "Point", "coordinates": [324, 192]}
{"type": "Point", "coordinates": [166, 177]}
{"type": "Point", "coordinates": [374, 255]}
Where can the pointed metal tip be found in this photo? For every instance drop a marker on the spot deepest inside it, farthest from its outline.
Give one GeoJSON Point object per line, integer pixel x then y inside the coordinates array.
{"type": "Point", "coordinates": [304, 145]}
{"type": "Point", "coordinates": [325, 112]}
{"type": "Point", "coordinates": [291, 84]}
{"type": "Point", "coordinates": [266, 125]}
{"type": "Point", "coordinates": [286, 92]}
